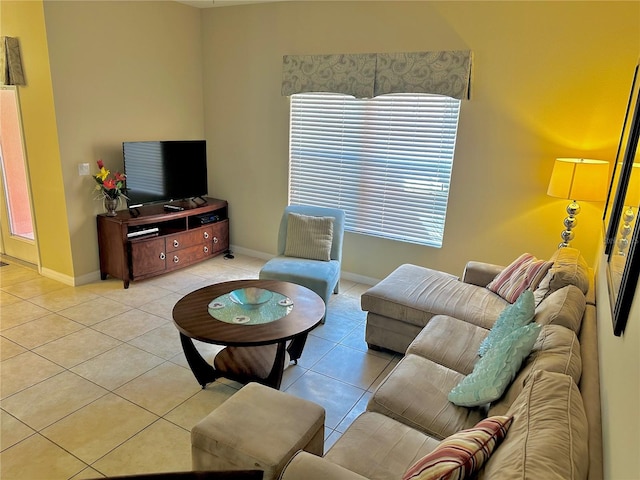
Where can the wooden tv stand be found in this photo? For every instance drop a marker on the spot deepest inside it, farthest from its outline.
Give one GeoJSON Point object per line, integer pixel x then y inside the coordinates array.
{"type": "Point", "coordinates": [151, 240]}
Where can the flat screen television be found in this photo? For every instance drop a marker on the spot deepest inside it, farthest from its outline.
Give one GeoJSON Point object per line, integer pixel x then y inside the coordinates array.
{"type": "Point", "coordinates": [164, 171]}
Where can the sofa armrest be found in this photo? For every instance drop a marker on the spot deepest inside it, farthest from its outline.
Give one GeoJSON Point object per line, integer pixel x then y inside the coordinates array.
{"type": "Point", "coordinates": [305, 466]}
{"type": "Point", "coordinates": [480, 273]}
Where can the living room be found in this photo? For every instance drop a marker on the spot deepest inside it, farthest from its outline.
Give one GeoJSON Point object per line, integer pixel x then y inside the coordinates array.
{"type": "Point", "coordinates": [550, 79]}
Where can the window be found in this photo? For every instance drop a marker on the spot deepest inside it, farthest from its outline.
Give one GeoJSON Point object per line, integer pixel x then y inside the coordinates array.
{"type": "Point", "coordinates": [386, 161]}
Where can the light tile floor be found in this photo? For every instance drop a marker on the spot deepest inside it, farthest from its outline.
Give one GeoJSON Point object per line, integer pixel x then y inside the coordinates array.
{"type": "Point", "coordinates": [93, 381]}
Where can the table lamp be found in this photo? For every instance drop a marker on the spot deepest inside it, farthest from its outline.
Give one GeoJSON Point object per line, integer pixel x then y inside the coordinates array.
{"type": "Point", "coordinates": [631, 200]}
{"type": "Point", "coordinates": [577, 179]}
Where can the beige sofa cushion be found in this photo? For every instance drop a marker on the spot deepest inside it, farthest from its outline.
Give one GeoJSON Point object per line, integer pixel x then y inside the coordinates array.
{"type": "Point", "coordinates": [414, 294]}
{"type": "Point", "coordinates": [415, 393]}
{"type": "Point", "coordinates": [306, 466]}
{"type": "Point", "coordinates": [548, 436]}
{"type": "Point", "coordinates": [563, 307]}
{"type": "Point", "coordinates": [569, 268]}
{"type": "Point", "coordinates": [378, 447]}
{"type": "Point", "coordinates": [556, 350]}
{"type": "Point", "coordinates": [450, 342]}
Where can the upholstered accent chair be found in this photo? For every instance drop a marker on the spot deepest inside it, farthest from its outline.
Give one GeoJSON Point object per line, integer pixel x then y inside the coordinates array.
{"type": "Point", "coordinates": [309, 249]}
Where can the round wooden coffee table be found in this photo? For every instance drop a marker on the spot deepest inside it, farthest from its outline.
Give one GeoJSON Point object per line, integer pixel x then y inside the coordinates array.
{"type": "Point", "coordinates": [253, 352]}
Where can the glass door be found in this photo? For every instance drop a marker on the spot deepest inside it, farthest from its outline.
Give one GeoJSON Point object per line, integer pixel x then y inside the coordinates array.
{"type": "Point", "coordinates": [17, 237]}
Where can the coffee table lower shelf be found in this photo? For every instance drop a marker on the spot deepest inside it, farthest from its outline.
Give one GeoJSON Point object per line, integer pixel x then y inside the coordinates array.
{"type": "Point", "coordinates": [263, 364]}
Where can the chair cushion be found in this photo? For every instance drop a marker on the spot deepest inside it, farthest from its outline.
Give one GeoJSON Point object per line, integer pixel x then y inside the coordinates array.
{"type": "Point", "coordinates": [462, 454]}
{"type": "Point", "coordinates": [494, 372]}
{"type": "Point", "coordinates": [309, 237]}
{"type": "Point", "coordinates": [321, 277]}
{"type": "Point", "coordinates": [524, 272]}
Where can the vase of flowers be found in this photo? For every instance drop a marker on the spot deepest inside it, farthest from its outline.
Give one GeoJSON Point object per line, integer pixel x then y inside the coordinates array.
{"type": "Point", "coordinates": [110, 188]}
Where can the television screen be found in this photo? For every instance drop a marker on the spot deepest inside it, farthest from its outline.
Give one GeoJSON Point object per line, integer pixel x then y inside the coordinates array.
{"type": "Point", "coordinates": [164, 171]}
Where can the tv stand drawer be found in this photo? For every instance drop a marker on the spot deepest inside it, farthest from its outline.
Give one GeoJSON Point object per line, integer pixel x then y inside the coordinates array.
{"type": "Point", "coordinates": [190, 238]}
{"type": "Point", "coordinates": [187, 256]}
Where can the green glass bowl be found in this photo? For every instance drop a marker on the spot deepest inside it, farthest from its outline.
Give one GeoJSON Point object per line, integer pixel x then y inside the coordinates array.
{"type": "Point", "coordinates": [250, 297]}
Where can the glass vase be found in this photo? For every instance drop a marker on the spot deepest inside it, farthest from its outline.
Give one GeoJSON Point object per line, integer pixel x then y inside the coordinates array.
{"type": "Point", "coordinates": [110, 205]}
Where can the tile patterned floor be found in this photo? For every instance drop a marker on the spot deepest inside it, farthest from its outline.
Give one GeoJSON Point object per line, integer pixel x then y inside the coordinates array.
{"type": "Point", "coordinates": [93, 381]}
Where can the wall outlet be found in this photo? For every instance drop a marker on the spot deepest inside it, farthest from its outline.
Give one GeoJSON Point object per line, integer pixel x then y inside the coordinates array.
{"type": "Point", "coordinates": [83, 169]}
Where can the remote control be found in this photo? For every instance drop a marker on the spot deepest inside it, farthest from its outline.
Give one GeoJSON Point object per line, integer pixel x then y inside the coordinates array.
{"type": "Point", "coordinates": [173, 207]}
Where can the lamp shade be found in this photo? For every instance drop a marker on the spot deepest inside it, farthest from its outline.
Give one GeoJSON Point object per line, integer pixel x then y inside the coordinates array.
{"type": "Point", "coordinates": [579, 179]}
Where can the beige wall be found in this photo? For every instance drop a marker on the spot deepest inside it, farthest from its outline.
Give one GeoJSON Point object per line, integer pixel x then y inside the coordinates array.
{"type": "Point", "coordinates": [550, 79]}
{"type": "Point", "coordinates": [121, 71]}
{"type": "Point", "coordinates": [25, 20]}
{"type": "Point", "coordinates": [619, 385]}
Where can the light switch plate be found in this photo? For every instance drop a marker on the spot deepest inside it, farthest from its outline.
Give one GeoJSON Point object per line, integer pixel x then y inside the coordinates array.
{"type": "Point", "coordinates": [83, 169]}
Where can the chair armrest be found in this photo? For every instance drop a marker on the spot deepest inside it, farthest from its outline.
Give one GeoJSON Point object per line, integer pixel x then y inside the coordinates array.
{"type": "Point", "coordinates": [305, 466]}
{"type": "Point", "coordinates": [480, 273]}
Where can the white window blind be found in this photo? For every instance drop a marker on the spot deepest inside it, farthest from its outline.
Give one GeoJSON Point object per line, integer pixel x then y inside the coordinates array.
{"type": "Point", "coordinates": [386, 161]}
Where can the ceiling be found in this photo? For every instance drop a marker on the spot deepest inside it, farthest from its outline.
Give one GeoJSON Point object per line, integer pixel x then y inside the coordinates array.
{"type": "Point", "coordinates": [222, 3]}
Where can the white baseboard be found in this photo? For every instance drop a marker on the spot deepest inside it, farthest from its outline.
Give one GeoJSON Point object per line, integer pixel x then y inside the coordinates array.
{"type": "Point", "coordinates": [95, 276]}
{"type": "Point", "coordinates": [53, 275]}
{"type": "Point", "coordinates": [88, 278]}
{"type": "Point", "coordinates": [250, 253]}
{"type": "Point", "coordinates": [354, 277]}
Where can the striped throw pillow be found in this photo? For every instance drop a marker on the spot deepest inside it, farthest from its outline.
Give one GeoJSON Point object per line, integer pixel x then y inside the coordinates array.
{"type": "Point", "coordinates": [525, 272]}
{"type": "Point", "coordinates": [462, 454]}
{"type": "Point", "coordinates": [309, 237]}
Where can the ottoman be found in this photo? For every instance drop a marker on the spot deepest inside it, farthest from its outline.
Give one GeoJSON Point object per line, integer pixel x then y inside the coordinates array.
{"type": "Point", "coordinates": [257, 428]}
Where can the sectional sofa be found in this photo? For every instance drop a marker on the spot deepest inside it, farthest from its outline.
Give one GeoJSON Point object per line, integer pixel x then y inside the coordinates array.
{"type": "Point", "coordinates": [499, 380]}
{"type": "Point", "coordinates": [440, 323]}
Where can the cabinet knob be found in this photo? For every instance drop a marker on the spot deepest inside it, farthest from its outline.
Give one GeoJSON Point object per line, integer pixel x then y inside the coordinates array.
{"type": "Point", "coordinates": [175, 243]}
{"type": "Point", "coordinates": [206, 249]}
{"type": "Point", "coordinates": [162, 256]}
{"type": "Point", "coordinates": [206, 235]}
{"type": "Point", "coordinates": [215, 239]}
{"type": "Point", "coordinates": [175, 259]}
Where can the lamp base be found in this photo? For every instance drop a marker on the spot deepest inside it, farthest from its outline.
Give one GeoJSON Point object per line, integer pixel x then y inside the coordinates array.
{"type": "Point", "coordinates": [625, 231]}
{"type": "Point", "coordinates": [569, 222]}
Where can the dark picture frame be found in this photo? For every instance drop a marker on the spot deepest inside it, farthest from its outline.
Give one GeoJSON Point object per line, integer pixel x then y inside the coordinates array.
{"type": "Point", "coordinates": [623, 261]}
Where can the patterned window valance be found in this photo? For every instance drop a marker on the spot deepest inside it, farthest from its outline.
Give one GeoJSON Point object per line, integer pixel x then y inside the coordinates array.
{"type": "Point", "coordinates": [11, 72]}
{"type": "Point", "coordinates": [372, 74]}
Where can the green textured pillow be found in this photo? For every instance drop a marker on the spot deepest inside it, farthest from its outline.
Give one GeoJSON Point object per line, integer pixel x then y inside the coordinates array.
{"type": "Point", "coordinates": [514, 316]}
{"type": "Point", "coordinates": [496, 370]}
{"type": "Point", "coordinates": [309, 237]}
